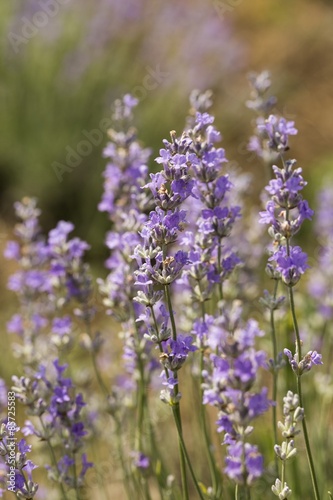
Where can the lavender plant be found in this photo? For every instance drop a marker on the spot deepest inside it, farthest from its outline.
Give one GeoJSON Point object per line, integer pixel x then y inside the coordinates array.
{"type": "Point", "coordinates": [174, 250]}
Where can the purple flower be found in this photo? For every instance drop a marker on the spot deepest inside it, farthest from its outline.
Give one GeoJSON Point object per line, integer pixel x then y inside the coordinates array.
{"type": "Point", "coordinates": [241, 470]}
{"type": "Point", "coordinates": [15, 325]}
{"type": "Point", "coordinates": [85, 465]}
{"type": "Point", "coordinates": [140, 460]}
{"type": "Point", "coordinates": [78, 430]}
{"type": "Point", "coordinates": [12, 250]}
{"type": "Point", "coordinates": [58, 235]}
{"type": "Point", "coordinates": [23, 447]}
{"type": "Point", "coordinates": [179, 350]}
{"type": "Point", "coordinates": [290, 266]}
{"type": "Point", "coordinates": [62, 326]}
{"type": "Point", "coordinates": [278, 131]}
{"type": "Point", "coordinates": [28, 429]}
{"type": "Point", "coordinates": [64, 464]}
{"type": "Point", "coordinates": [258, 403]}
{"type": "Point", "coordinates": [305, 364]}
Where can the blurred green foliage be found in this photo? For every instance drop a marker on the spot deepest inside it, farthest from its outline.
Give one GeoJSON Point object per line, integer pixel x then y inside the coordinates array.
{"type": "Point", "coordinates": [63, 80]}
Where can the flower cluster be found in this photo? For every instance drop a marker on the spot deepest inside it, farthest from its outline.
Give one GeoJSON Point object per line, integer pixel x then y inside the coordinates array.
{"type": "Point", "coordinates": [127, 169]}
{"type": "Point", "coordinates": [54, 404]}
{"type": "Point", "coordinates": [263, 105]}
{"type": "Point", "coordinates": [228, 385]}
{"type": "Point", "coordinates": [157, 267]}
{"type": "Point", "coordinates": [125, 201]}
{"type": "Point", "coordinates": [277, 130]}
{"type": "Point", "coordinates": [52, 273]}
{"type": "Point", "coordinates": [211, 216]}
{"type": "Point", "coordinates": [305, 364]}
{"type": "Point", "coordinates": [285, 213]}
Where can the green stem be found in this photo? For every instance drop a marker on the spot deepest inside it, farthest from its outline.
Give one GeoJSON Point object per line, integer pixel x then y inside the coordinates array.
{"type": "Point", "coordinates": [126, 474]}
{"type": "Point", "coordinates": [26, 483]}
{"type": "Point", "coordinates": [245, 485]}
{"type": "Point", "coordinates": [275, 375]}
{"type": "Point", "coordinates": [215, 476]}
{"type": "Point", "coordinates": [53, 457]}
{"type": "Point", "coordinates": [172, 317]}
{"type": "Point", "coordinates": [219, 268]}
{"type": "Point", "coordinates": [142, 403]}
{"type": "Point", "coordinates": [94, 362]}
{"type": "Point", "coordinates": [176, 414]}
{"type": "Point", "coordinates": [178, 420]}
{"type": "Point", "coordinates": [76, 486]}
{"type": "Point", "coordinates": [299, 390]}
{"type": "Point", "coordinates": [211, 461]}
{"type": "Point", "coordinates": [283, 472]}
{"type": "Point", "coordinates": [236, 491]}
{"type": "Point", "coordinates": [307, 444]}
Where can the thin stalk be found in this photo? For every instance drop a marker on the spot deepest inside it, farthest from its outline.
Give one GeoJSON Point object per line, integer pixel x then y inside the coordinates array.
{"type": "Point", "coordinates": [76, 487]}
{"type": "Point", "coordinates": [146, 489]}
{"type": "Point", "coordinates": [176, 410]}
{"type": "Point", "coordinates": [245, 485]}
{"type": "Point", "coordinates": [299, 390]}
{"type": "Point", "coordinates": [307, 444]}
{"type": "Point", "coordinates": [26, 483]}
{"type": "Point", "coordinates": [184, 450]}
{"type": "Point", "coordinates": [275, 375]}
{"type": "Point", "coordinates": [299, 384]}
{"type": "Point", "coordinates": [126, 475]}
{"type": "Point", "coordinates": [172, 317]}
{"type": "Point", "coordinates": [142, 404]}
{"type": "Point", "coordinates": [161, 478]}
{"type": "Point", "coordinates": [211, 462]}
{"type": "Point", "coordinates": [178, 420]}
{"type": "Point", "coordinates": [162, 474]}
{"type": "Point", "coordinates": [94, 362]}
{"type": "Point", "coordinates": [283, 472]}
{"type": "Point", "coordinates": [219, 268]}
{"type": "Point", "coordinates": [53, 457]}
{"type": "Point", "coordinates": [215, 476]}
{"type": "Point", "coordinates": [236, 492]}
{"type": "Point", "coordinates": [177, 415]}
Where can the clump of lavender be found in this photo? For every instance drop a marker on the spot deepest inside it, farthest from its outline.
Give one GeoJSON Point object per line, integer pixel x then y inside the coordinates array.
{"type": "Point", "coordinates": [51, 275]}
{"type": "Point", "coordinates": [32, 283]}
{"type": "Point", "coordinates": [293, 415]}
{"type": "Point", "coordinates": [56, 410]}
{"type": "Point", "coordinates": [171, 256]}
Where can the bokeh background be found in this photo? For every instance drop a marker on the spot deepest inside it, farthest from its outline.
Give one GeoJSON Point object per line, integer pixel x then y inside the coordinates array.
{"type": "Point", "coordinates": [60, 72]}
{"type": "Point", "coordinates": [63, 63]}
